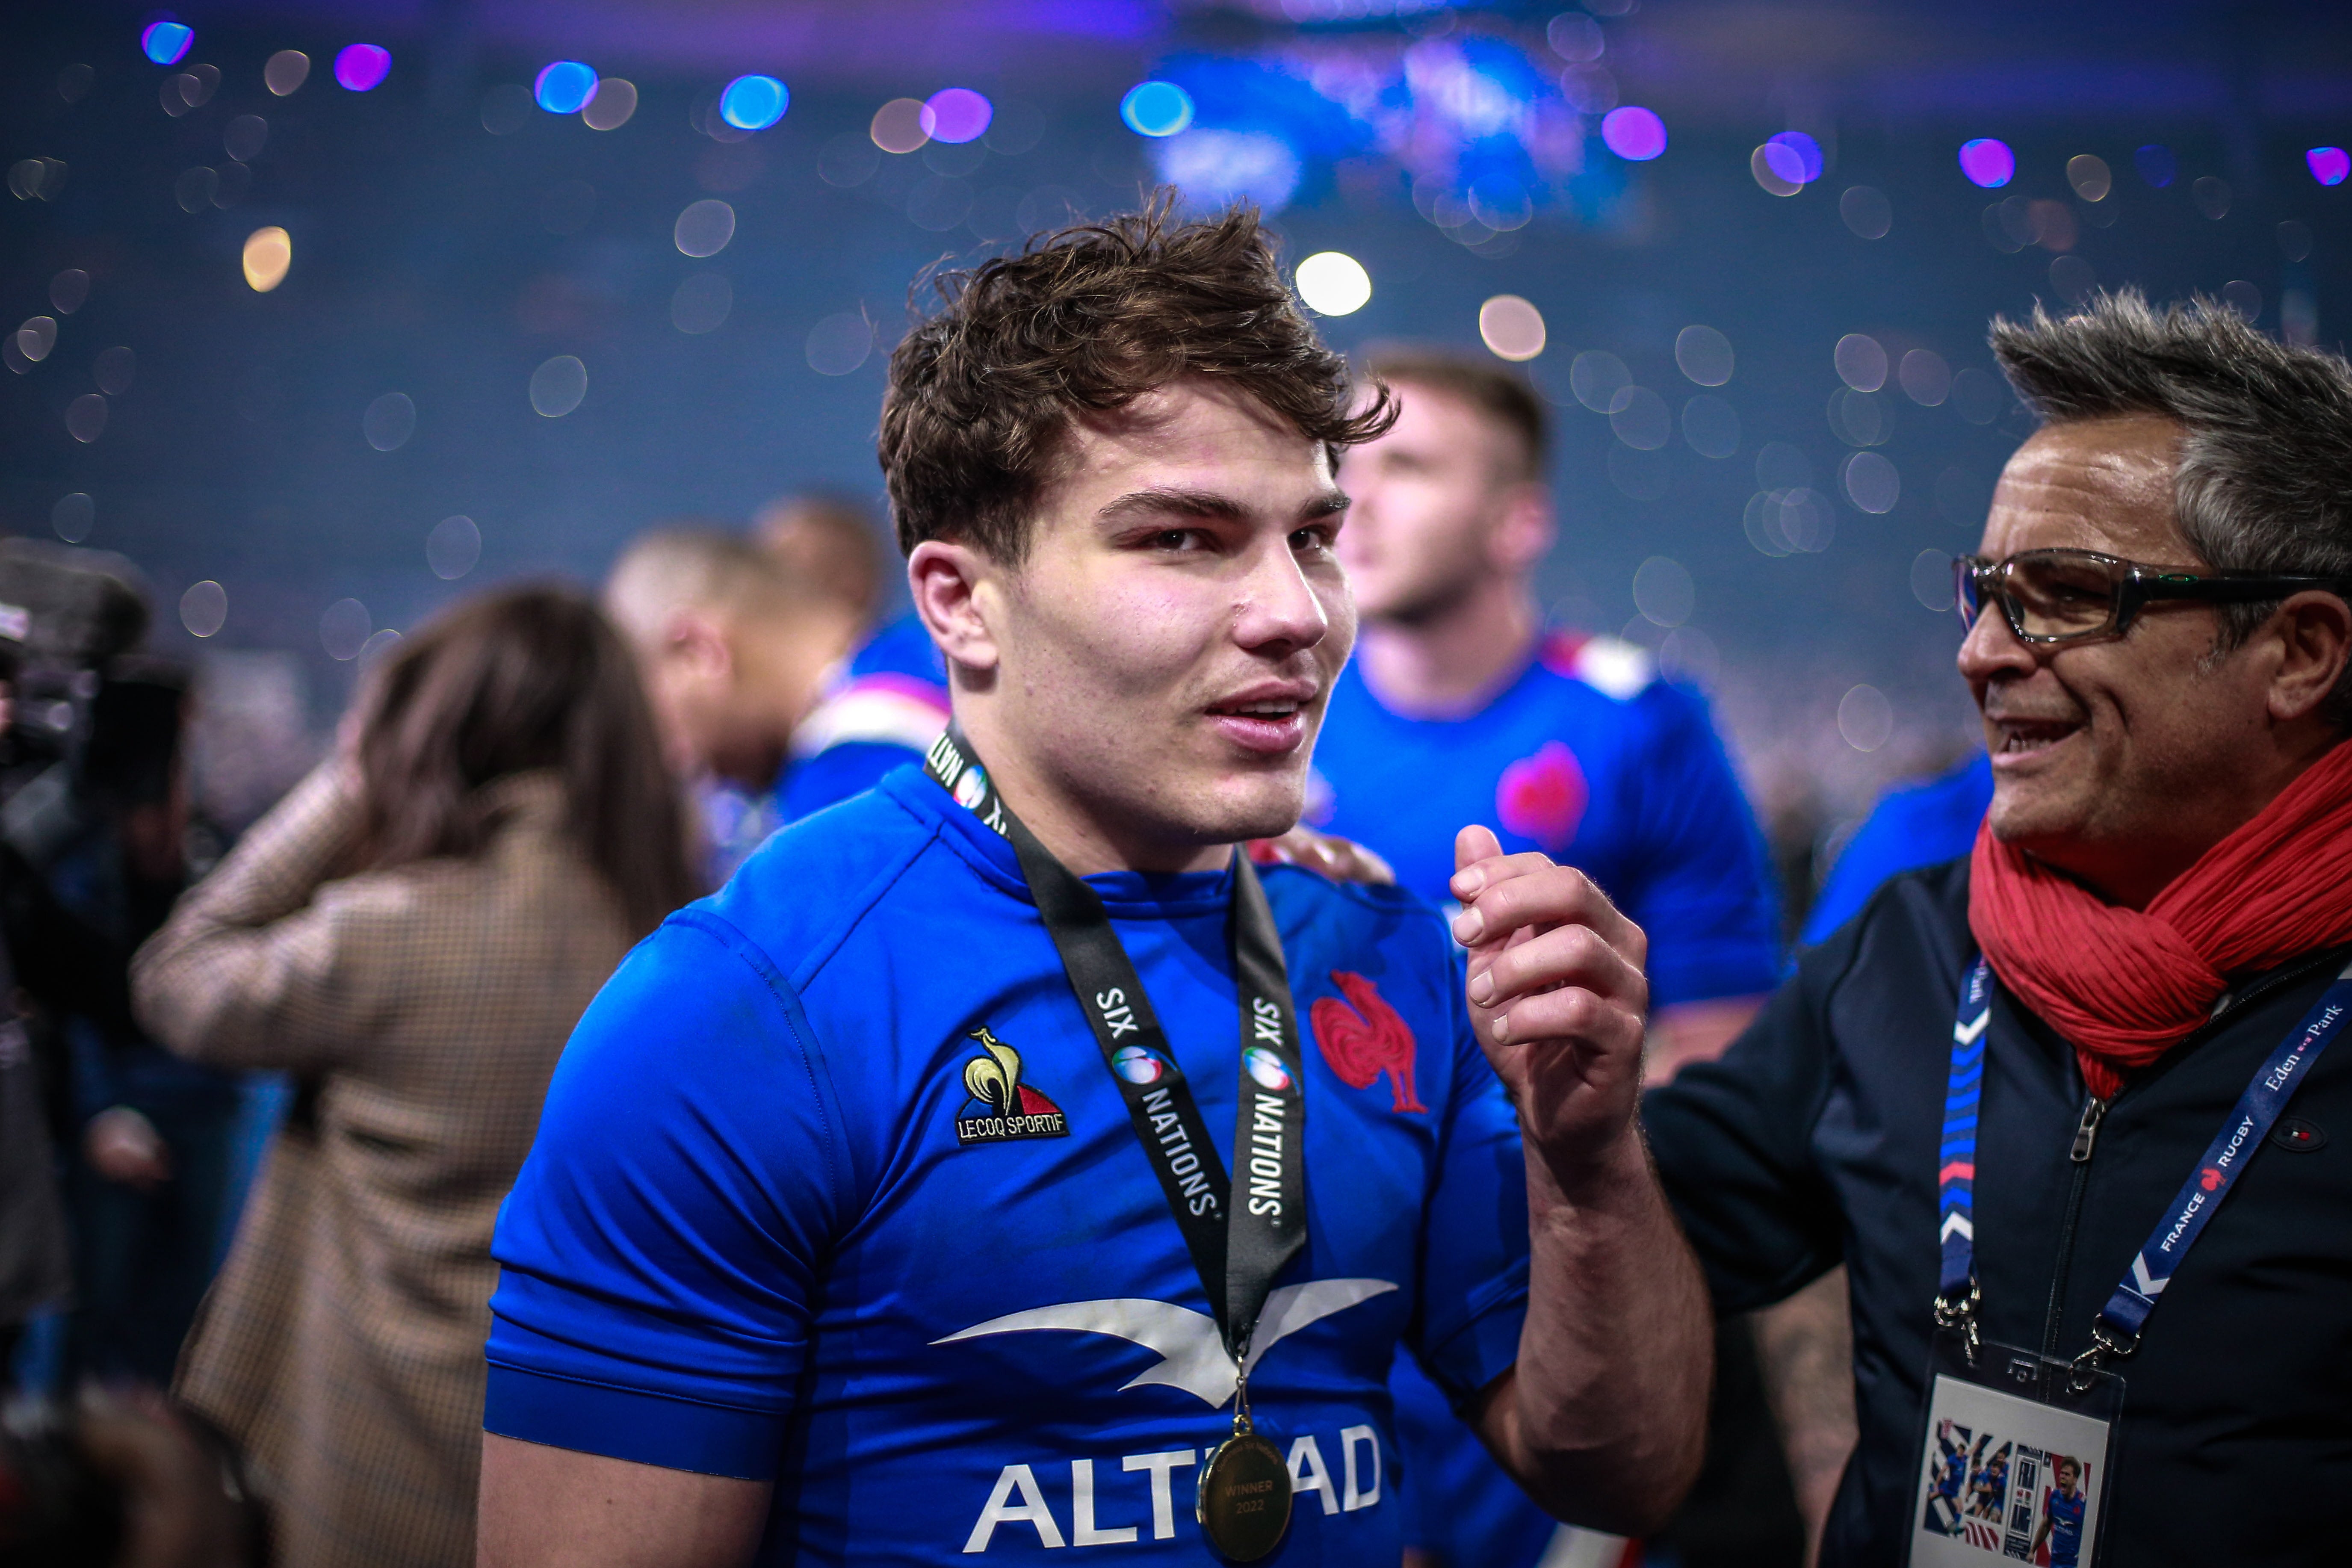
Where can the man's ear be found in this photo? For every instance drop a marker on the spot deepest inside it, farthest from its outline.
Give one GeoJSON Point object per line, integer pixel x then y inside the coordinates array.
{"type": "Point", "coordinates": [954, 588]}
{"type": "Point", "coordinates": [2314, 632]}
{"type": "Point", "coordinates": [1523, 535]}
{"type": "Point", "coordinates": [696, 639]}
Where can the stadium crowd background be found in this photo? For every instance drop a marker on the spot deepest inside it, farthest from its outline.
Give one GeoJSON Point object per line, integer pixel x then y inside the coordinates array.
{"type": "Point", "coordinates": [326, 325]}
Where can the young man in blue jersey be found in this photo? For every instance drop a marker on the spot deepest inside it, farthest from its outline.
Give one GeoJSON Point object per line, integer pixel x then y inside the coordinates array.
{"type": "Point", "coordinates": [1461, 706]}
{"type": "Point", "coordinates": [880, 1209]}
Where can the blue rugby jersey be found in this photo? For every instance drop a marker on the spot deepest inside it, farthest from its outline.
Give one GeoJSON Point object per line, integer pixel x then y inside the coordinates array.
{"type": "Point", "coordinates": [1590, 758]}
{"type": "Point", "coordinates": [1920, 824]}
{"type": "Point", "coordinates": [767, 1230]}
{"type": "Point", "coordinates": [889, 704]}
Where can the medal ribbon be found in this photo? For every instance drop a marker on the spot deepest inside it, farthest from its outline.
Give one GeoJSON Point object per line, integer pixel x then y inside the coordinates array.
{"type": "Point", "coordinates": [2119, 1323]}
{"type": "Point", "coordinates": [1239, 1241]}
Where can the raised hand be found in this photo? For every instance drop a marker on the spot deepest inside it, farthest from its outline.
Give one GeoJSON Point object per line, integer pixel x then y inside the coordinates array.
{"type": "Point", "coordinates": [1559, 998]}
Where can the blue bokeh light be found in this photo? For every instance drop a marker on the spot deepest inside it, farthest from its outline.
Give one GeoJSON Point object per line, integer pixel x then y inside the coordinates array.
{"type": "Point", "coordinates": [2155, 165]}
{"type": "Point", "coordinates": [166, 43]}
{"type": "Point", "coordinates": [1156, 108]}
{"type": "Point", "coordinates": [1810, 162]}
{"type": "Point", "coordinates": [1988, 163]}
{"type": "Point", "coordinates": [564, 88]}
{"type": "Point", "coordinates": [754, 102]}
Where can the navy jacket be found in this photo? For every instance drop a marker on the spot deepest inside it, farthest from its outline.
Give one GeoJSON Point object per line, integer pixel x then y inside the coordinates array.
{"type": "Point", "coordinates": [1813, 1141]}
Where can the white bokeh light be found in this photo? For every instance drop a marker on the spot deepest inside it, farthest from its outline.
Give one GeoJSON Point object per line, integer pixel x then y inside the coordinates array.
{"type": "Point", "coordinates": [1334, 284]}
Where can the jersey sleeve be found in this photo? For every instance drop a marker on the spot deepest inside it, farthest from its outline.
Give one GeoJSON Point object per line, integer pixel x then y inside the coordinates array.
{"type": "Point", "coordinates": [660, 1249]}
{"type": "Point", "coordinates": [1702, 891]}
{"type": "Point", "coordinates": [1733, 1142]}
{"type": "Point", "coordinates": [1474, 1278]}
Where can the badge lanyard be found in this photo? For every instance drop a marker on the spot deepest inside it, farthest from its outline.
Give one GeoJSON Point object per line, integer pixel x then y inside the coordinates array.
{"type": "Point", "coordinates": [2016, 1456]}
{"type": "Point", "coordinates": [1239, 1240]}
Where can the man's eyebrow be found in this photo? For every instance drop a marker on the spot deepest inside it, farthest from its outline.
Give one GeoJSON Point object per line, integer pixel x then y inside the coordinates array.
{"type": "Point", "coordinates": [1331, 503]}
{"type": "Point", "coordinates": [1162, 498]}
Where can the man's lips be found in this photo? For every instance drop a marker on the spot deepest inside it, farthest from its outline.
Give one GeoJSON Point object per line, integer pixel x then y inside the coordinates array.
{"type": "Point", "coordinates": [2021, 735]}
{"type": "Point", "coordinates": [1270, 718]}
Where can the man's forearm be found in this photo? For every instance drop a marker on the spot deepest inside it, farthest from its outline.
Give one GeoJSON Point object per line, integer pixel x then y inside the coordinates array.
{"type": "Point", "coordinates": [1603, 1418]}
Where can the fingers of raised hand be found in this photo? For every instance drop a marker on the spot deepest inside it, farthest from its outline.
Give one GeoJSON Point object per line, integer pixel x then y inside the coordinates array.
{"type": "Point", "coordinates": [1568, 956]}
{"type": "Point", "coordinates": [1540, 894]}
{"type": "Point", "coordinates": [1571, 1014]}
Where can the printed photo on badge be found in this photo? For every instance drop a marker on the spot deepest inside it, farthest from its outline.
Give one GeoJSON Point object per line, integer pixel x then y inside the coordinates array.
{"type": "Point", "coordinates": [2005, 1480]}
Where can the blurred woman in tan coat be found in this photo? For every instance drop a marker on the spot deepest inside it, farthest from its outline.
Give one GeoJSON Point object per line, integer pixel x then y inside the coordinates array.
{"type": "Point", "coordinates": [412, 934]}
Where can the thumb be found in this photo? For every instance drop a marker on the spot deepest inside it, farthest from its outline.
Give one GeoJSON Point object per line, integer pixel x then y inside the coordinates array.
{"type": "Point", "coordinates": [1473, 843]}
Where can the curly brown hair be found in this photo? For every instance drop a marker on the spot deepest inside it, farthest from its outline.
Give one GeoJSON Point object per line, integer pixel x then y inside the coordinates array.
{"type": "Point", "coordinates": [1087, 320]}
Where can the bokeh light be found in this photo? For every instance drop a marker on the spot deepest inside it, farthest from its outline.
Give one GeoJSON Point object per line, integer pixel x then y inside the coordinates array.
{"type": "Point", "coordinates": [566, 87]}
{"type": "Point", "coordinates": [72, 517]}
{"type": "Point", "coordinates": [36, 337]}
{"type": "Point", "coordinates": [1573, 36]}
{"type": "Point", "coordinates": [1703, 355]}
{"type": "Point", "coordinates": [452, 547]}
{"type": "Point", "coordinates": [1640, 418]}
{"type": "Point", "coordinates": [85, 417]}
{"type": "Point", "coordinates": [1711, 426]}
{"type": "Point", "coordinates": [1807, 152]}
{"type": "Point", "coordinates": [1865, 718]}
{"type": "Point", "coordinates": [70, 288]}
{"type": "Point", "coordinates": [1866, 212]}
{"type": "Point", "coordinates": [204, 609]}
{"type": "Point", "coordinates": [1663, 591]}
{"type": "Point", "coordinates": [1596, 376]}
{"type": "Point", "coordinates": [558, 385]}
{"type": "Point", "coordinates": [268, 252]}
{"type": "Point", "coordinates": [1978, 396]}
{"type": "Point", "coordinates": [361, 67]}
{"type": "Point", "coordinates": [1860, 361]}
{"type": "Point", "coordinates": [1925, 376]}
{"type": "Point", "coordinates": [704, 227]}
{"type": "Point", "coordinates": [753, 103]}
{"type": "Point", "coordinates": [389, 421]}
{"type": "Point", "coordinates": [243, 137]}
{"type": "Point", "coordinates": [616, 101]}
{"type": "Point", "coordinates": [1776, 169]}
{"type": "Point", "coordinates": [1334, 284]}
{"type": "Point", "coordinates": [378, 644]}
{"type": "Point", "coordinates": [2243, 297]}
{"type": "Point", "coordinates": [2156, 164]}
{"type": "Point", "coordinates": [1988, 163]}
{"type": "Point", "coordinates": [2089, 176]}
{"type": "Point", "coordinates": [1156, 108]}
{"type": "Point", "coordinates": [166, 43]}
{"type": "Point", "coordinates": [1871, 482]}
{"type": "Point", "coordinates": [114, 369]}
{"type": "Point", "coordinates": [2211, 194]}
{"type": "Point", "coordinates": [2328, 165]}
{"type": "Point", "coordinates": [345, 628]}
{"type": "Point", "coordinates": [1931, 580]}
{"type": "Point", "coordinates": [1511, 328]}
{"type": "Point", "coordinates": [1633, 133]}
{"type": "Point", "coordinates": [701, 303]}
{"type": "Point", "coordinates": [898, 127]}
{"type": "Point", "coordinates": [288, 70]}
{"type": "Point", "coordinates": [840, 343]}
{"type": "Point", "coordinates": [958, 115]}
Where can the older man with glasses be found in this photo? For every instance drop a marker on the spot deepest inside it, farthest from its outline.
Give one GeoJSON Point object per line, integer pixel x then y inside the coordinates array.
{"type": "Point", "coordinates": [2064, 1108]}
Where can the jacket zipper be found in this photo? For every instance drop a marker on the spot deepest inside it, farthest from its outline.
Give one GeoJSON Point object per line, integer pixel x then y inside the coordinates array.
{"type": "Point", "coordinates": [2086, 1136]}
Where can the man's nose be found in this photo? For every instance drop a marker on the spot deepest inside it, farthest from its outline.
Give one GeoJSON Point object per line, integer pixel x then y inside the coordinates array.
{"type": "Point", "coordinates": [1280, 610]}
{"type": "Point", "coordinates": [1992, 648]}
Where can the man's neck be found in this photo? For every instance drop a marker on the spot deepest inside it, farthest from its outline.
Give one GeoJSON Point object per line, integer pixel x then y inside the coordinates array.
{"type": "Point", "coordinates": [1449, 661]}
{"type": "Point", "coordinates": [1086, 839]}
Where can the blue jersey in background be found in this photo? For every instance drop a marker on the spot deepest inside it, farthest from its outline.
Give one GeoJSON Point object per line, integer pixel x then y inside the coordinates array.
{"type": "Point", "coordinates": [1590, 758]}
{"type": "Point", "coordinates": [1924, 824]}
{"type": "Point", "coordinates": [889, 705]}
{"type": "Point", "coordinates": [769, 1230]}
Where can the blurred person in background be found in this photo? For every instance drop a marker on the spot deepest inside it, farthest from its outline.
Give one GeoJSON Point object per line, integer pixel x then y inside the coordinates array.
{"type": "Point", "coordinates": [887, 700]}
{"type": "Point", "coordinates": [1459, 706]}
{"type": "Point", "coordinates": [2061, 1107]}
{"type": "Point", "coordinates": [1915, 825]}
{"type": "Point", "coordinates": [735, 648]}
{"type": "Point", "coordinates": [412, 934]}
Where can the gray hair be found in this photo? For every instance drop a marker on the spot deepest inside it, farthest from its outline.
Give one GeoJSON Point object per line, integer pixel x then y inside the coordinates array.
{"type": "Point", "coordinates": [2265, 476]}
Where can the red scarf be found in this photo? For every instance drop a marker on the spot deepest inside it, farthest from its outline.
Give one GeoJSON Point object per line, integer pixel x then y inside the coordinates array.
{"type": "Point", "coordinates": [2125, 985]}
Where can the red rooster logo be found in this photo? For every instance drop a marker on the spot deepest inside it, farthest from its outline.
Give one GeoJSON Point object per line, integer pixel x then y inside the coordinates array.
{"type": "Point", "coordinates": [1362, 1041]}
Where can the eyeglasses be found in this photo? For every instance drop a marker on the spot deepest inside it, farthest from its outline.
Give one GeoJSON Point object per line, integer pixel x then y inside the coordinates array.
{"type": "Point", "coordinates": [2054, 596]}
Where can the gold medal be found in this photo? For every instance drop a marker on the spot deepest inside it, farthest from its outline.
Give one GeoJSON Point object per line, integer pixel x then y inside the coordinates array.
{"type": "Point", "coordinates": [1243, 1503]}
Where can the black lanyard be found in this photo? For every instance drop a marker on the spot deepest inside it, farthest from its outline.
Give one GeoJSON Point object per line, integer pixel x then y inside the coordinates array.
{"type": "Point", "coordinates": [1237, 1247]}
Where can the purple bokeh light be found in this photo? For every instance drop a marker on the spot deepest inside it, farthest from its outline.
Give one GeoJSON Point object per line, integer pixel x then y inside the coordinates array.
{"type": "Point", "coordinates": [1810, 163]}
{"type": "Point", "coordinates": [1988, 163]}
{"type": "Point", "coordinates": [166, 43]}
{"type": "Point", "coordinates": [1633, 133]}
{"type": "Point", "coordinates": [1785, 162]}
{"type": "Point", "coordinates": [2328, 165]}
{"type": "Point", "coordinates": [959, 114]}
{"type": "Point", "coordinates": [363, 67]}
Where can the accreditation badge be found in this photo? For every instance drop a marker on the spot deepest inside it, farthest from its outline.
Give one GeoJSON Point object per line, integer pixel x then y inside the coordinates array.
{"type": "Point", "coordinates": [2017, 1460]}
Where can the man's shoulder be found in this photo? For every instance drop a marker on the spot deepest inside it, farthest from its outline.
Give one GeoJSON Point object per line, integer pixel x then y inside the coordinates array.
{"type": "Point", "coordinates": [799, 892]}
{"type": "Point", "coordinates": [1587, 664]}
